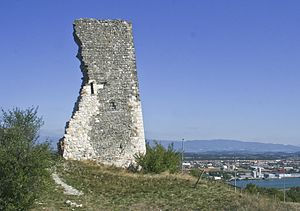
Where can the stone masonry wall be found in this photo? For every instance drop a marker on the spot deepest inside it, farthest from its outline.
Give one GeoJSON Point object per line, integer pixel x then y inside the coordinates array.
{"type": "Point", "coordinates": [106, 123]}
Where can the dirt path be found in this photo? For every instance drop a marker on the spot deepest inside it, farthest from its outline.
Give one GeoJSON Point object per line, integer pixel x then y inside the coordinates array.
{"type": "Point", "coordinates": [69, 190]}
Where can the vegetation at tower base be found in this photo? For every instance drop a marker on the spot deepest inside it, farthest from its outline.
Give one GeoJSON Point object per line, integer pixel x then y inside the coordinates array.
{"type": "Point", "coordinates": [23, 162]}
{"type": "Point", "coordinates": [159, 159]}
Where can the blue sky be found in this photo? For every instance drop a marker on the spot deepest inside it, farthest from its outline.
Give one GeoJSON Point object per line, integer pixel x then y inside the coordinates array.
{"type": "Point", "coordinates": [207, 69]}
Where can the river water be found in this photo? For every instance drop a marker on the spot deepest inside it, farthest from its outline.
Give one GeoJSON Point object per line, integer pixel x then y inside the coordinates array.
{"type": "Point", "coordinates": [270, 183]}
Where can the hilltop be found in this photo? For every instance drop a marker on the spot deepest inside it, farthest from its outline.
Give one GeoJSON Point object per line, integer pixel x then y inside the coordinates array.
{"type": "Point", "coordinates": [110, 188]}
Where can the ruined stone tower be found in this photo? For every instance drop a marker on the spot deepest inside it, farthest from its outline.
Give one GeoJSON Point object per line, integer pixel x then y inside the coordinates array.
{"type": "Point", "coordinates": [106, 123]}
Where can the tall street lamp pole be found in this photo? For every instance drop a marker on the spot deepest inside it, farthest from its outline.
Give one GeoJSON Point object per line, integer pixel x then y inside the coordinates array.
{"type": "Point", "coordinates": [284, 197]}
{"type": "Point", "coordinates": [234, 174]}
{"type": "Point", "coordinates": [182, 155]}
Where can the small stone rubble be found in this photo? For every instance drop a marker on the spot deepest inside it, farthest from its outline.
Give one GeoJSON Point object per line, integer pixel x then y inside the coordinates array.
{"type": "Point", "coordinates": [73, 204]}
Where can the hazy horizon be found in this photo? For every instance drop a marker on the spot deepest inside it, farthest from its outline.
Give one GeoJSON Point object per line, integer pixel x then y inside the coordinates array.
{"type": "Point", "coordinates": [54, 139]}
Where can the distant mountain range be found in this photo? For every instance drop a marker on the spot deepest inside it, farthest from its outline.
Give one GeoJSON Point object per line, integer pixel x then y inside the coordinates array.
{"type": "Point", "coordinates": [217, 145]}
{"type": "Point", "coordinates": [222, 145]}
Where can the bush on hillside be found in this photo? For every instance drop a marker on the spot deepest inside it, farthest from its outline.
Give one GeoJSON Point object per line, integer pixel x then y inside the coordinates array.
{"type": "Point", "coordinates": [158, 159]}
{"type": "Point", "coordinates": [270, 192]}
{"type": "Point", "coordinates": [294, 194]}
{"type": "Point", "coordinates": [24, 162]}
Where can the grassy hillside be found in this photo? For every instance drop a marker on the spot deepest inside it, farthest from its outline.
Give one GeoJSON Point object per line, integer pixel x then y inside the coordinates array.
{"type": "Point", "coordinates": [108, 188]}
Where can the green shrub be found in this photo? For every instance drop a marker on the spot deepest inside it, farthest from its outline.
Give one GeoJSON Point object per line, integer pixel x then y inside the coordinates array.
{"type": "Point", "coordinates": [24, 162]}
{"type": "Point", "coordinates": [252, 188]}
{"type": "Point", "coordinates": [269, 192]}
{"type": "Point", "coordinates": [293, 194]}
{"type": "Point", "coordinates": [158, 159]}
{"type": "Point", "coordinates": [195, 172]}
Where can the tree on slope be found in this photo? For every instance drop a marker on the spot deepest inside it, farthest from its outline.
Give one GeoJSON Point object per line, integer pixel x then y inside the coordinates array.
{"type": "Point", "coordinates": [23, 162]}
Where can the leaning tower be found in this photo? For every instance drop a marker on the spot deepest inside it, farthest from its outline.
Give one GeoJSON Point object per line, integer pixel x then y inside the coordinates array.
{"type": "Point", "coordinates": [106, 124]}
